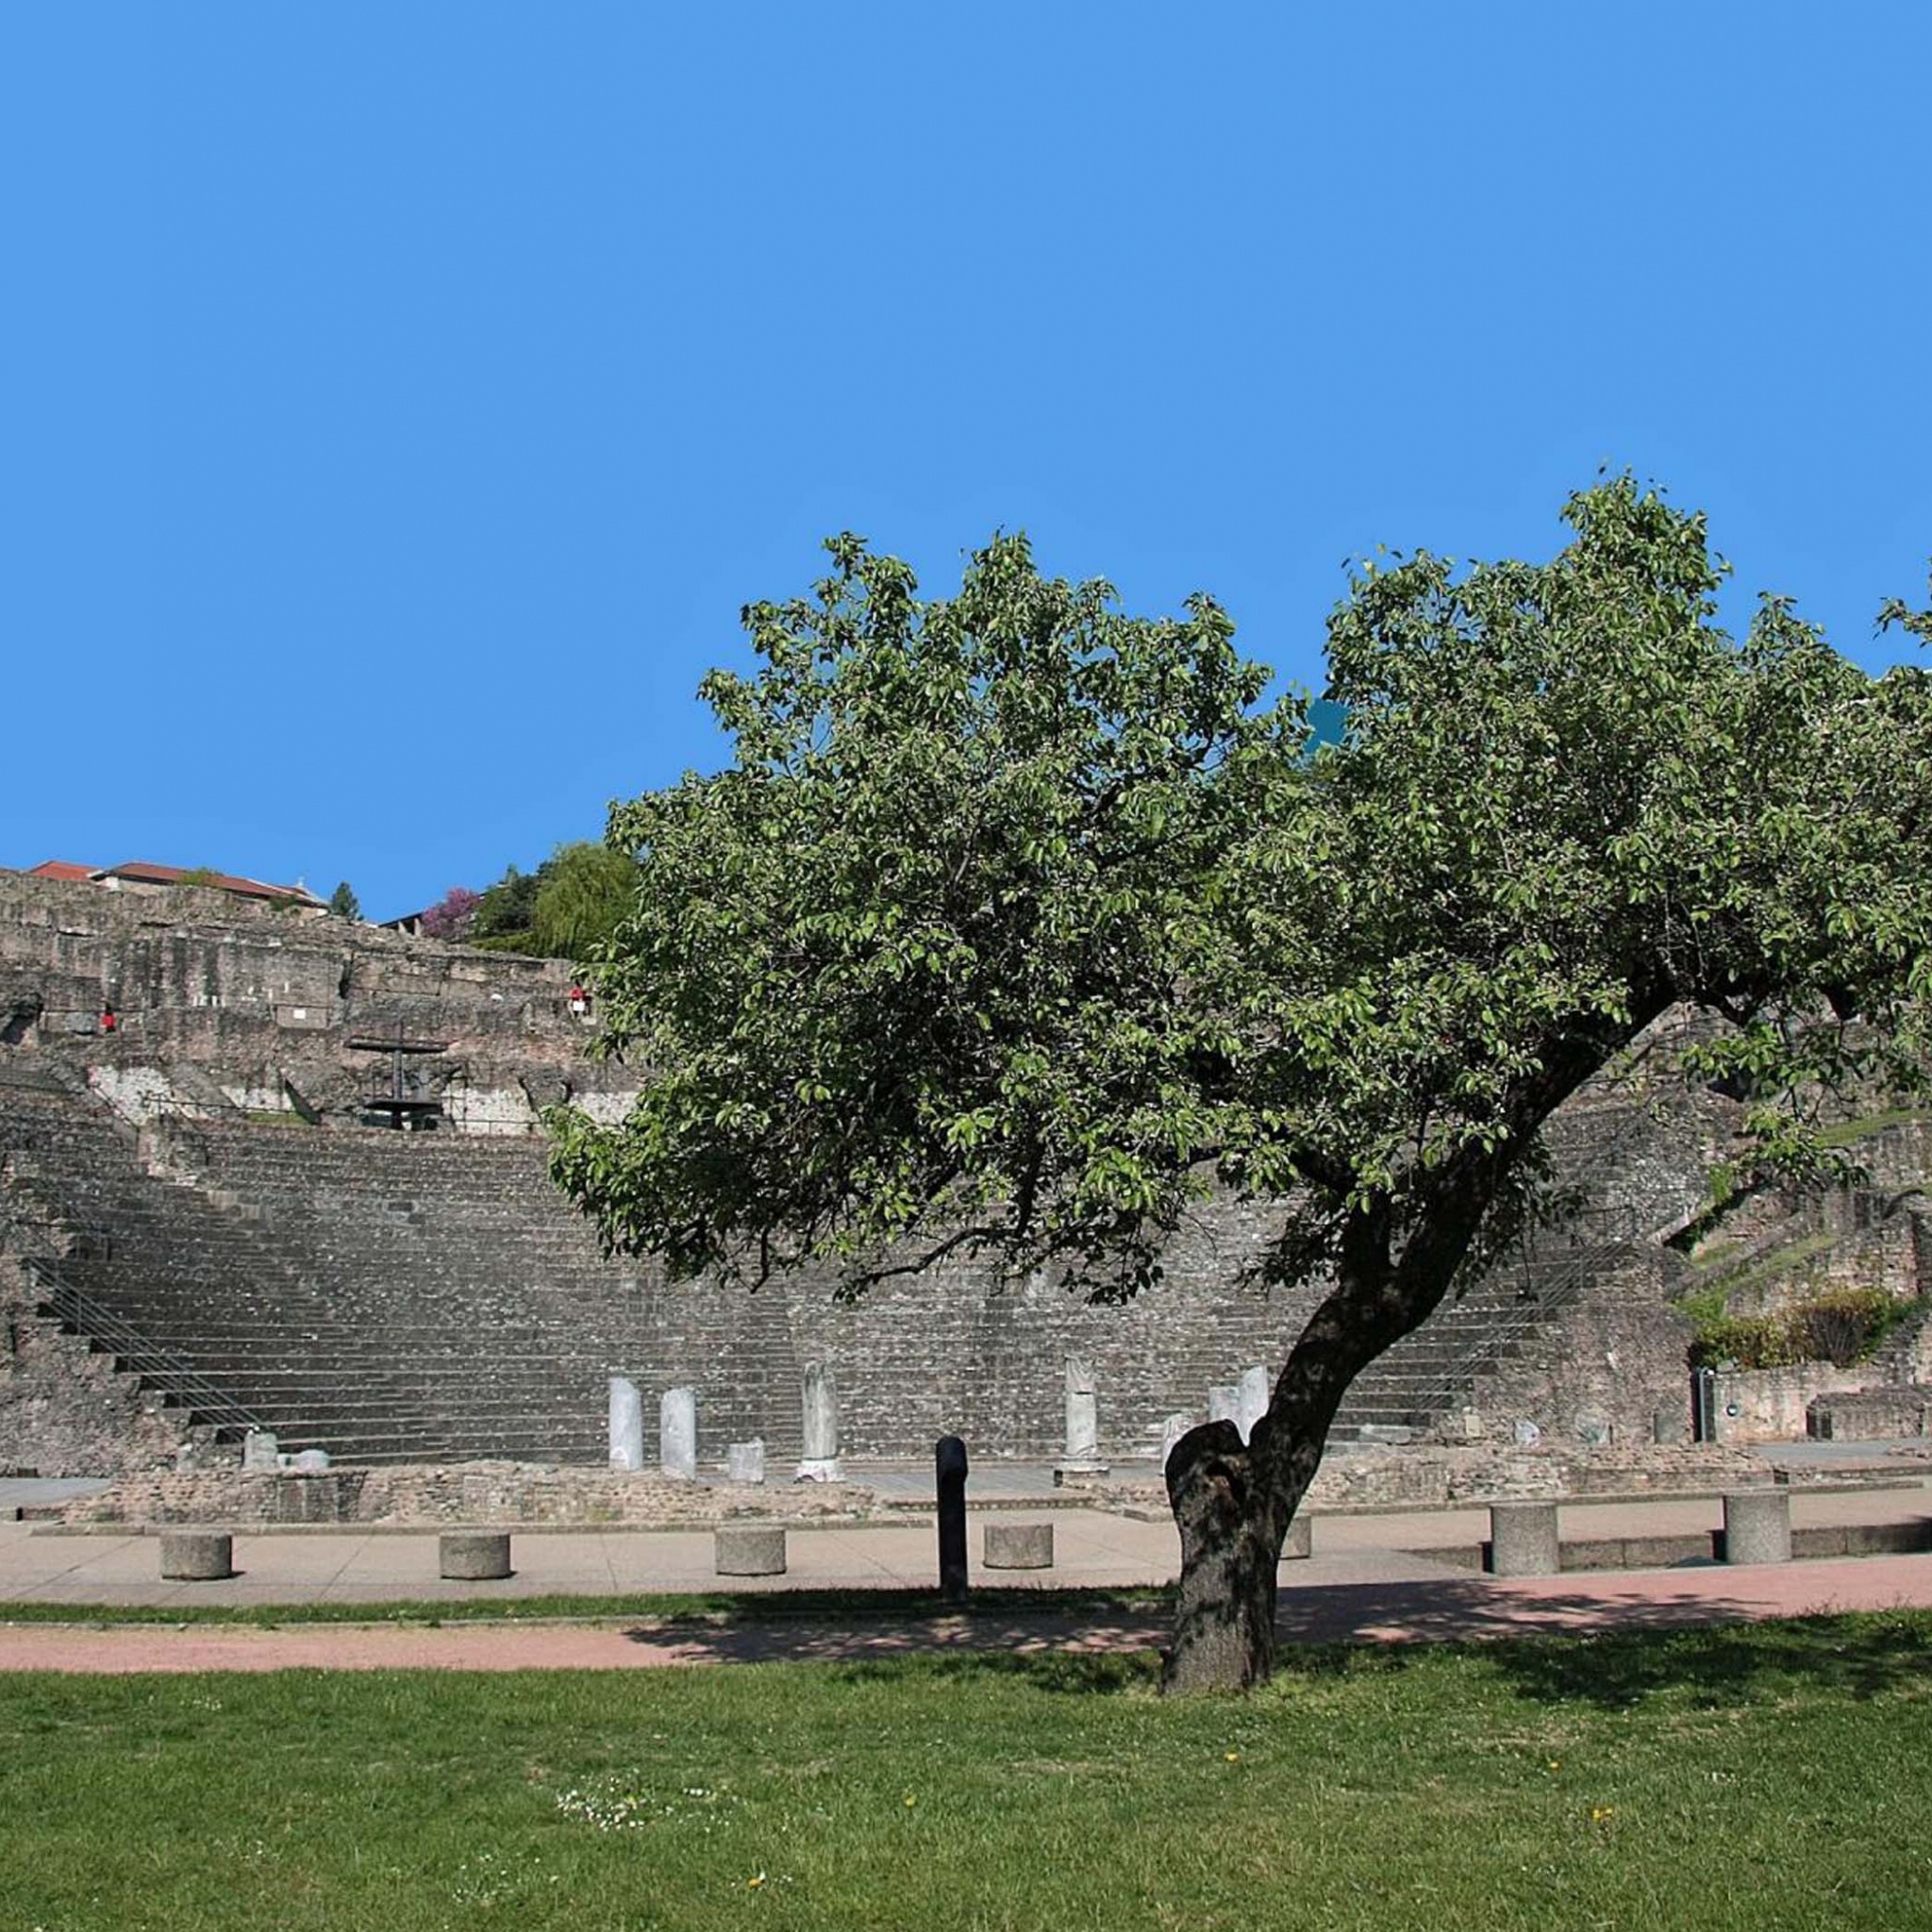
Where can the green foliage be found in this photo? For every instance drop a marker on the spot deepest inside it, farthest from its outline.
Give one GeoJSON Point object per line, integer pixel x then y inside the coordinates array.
{"type": "Point", "coordinates": [344, 903]}
{"type": "Point", "coordinates": [566, 909]}
{"type": "Point", "coordinates": [1017, 923]}
{"type": "Point", "coordinates": [921, 950]}
{"type": "Point", "coordinates": [585, 893]}
{"type": "Point", "coordinates": [506, 907]}
{"type": "Point", "coordinates": [199, 875]}
{"type": "Point", "coordinates": [1844, 1327]}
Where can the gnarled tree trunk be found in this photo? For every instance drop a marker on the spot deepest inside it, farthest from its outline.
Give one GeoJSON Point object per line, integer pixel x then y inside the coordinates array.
{"type": "Point", "coordinates": [1224, 1636]}
{"type": "Point", "coordinates": [1233, 1502]}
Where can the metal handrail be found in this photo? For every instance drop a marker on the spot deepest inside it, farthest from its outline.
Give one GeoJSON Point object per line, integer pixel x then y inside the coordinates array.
{"type": "Point", "coordinates": [155, 1364]}
{"type": "Point", "coordinates": [1534, 1308]}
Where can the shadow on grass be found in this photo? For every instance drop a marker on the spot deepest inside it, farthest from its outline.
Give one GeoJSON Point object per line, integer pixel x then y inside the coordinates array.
{"type": "Point", "coordinates": [1702, 1649]}
{"type": "Point", "coordinates": [1558, 1646]}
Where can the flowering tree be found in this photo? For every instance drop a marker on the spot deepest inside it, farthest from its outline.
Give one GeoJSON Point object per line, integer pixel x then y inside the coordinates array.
{"type": "Point", "coordinates": [451, 916]}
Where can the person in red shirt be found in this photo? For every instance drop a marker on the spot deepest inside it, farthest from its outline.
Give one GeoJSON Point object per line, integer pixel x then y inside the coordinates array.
{"type": "Point", "coordinates": [110, 1022]}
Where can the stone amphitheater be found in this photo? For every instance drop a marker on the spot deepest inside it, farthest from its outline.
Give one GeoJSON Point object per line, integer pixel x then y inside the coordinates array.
{"type": "Point", "coordinates": [206, 1226]}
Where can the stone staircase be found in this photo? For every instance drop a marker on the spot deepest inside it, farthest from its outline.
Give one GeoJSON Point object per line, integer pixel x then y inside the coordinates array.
{"type": "Point", "coordinates": [1442, 1368]}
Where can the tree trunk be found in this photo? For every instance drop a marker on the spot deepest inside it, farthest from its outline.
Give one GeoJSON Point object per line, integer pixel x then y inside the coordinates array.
{"type": "Point", "coordinates": [1231, 1537]}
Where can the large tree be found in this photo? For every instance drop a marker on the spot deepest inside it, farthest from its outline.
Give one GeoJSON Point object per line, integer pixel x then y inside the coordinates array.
{"type": "Point", "coordinates": [1021, 925]}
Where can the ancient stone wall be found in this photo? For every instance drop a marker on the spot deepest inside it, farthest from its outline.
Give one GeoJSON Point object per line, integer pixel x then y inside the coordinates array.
{"type": "Point", "coordinates": [257, 1002]}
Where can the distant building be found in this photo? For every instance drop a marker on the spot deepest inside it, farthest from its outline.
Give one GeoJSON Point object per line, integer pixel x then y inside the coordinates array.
{"type": "Point", "coordinates": [138, 876]}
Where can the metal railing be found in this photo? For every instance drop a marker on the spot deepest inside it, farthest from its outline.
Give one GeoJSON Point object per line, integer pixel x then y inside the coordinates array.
{"type": "Point", "coordinates": [158, 1367]}
{"type": "Point", "coordinates": [1534, 1305]}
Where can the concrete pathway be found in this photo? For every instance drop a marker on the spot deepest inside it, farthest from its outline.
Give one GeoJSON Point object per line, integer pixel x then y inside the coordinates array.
{"type": "Point", "coordinates": [1093, 1548]}
{"type": "Point", "coordinates": [1371, 1578]}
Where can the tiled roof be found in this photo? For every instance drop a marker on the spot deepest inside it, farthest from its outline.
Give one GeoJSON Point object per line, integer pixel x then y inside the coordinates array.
{"type": "Point", "coordinates": [138, 872]}
{"type": "Point", "coordinates": [59, 869]}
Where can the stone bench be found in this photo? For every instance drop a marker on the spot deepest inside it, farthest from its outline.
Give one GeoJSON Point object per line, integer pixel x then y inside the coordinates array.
{"type": "Point", "coordinates": [474, 1556]}
{"type": "Point", "coordinates": [745, 1549]}
{"type": "Point", "coordinates": [1017, 1546]}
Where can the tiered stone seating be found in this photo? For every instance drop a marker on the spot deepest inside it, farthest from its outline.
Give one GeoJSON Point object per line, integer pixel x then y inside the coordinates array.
{"type": "Point", "coordinates": [429, 1296]}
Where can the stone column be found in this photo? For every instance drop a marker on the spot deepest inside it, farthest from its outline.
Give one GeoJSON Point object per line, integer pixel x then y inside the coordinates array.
{"type": "Point", "coordinates": [1758, 1526]}
{"type": "Point", "coordinates": [1250, 1400]}
{"type": "Point", "coordinates": [1223, 1403]}
{"type": "Point", "coordinates": [820, 1461]}
{"type": "Point", "coordinates": [1082, 1455]}
{"type": "Point", "coordinates": [677, 1433]}
{"type": "Point", "coordinates": [627, 1425]}
{"type": "Point", "coordinates": [197, 1556]}
{"type": "Point", "coordinates": [1171, 1429]}
{"type": "Point", "coordinates": [744, 1462]}
{"type": "Point", "coordinates": [1523, 1540]}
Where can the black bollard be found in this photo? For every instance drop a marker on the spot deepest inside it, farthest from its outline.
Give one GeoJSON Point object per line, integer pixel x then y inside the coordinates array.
{"type": "Point", "coordinates": [949, 1460]}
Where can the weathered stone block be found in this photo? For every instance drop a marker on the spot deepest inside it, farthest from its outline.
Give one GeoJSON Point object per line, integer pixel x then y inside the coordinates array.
{"type": "Point", "coordinates": [1017, 1546]}
{"type": "Point", "coordinates": [677, 1433]}
{"type": "Point", "coordinates": [198, 1557]}
{"type": "Point", "coordinates": [746, 1549]}
{"type": "Point", "coordinates": [1523, 1540]}
{"type": "Point", "coordinates": [627, 1425]}
{"type": "Point", "coordinates": [1758, 1526]}
{"type": "Point", "coordinates": [475, 1556]}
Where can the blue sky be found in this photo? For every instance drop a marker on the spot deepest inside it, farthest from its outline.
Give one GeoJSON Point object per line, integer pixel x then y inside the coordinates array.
{"type": "Point", "coordinates": [398, 403]}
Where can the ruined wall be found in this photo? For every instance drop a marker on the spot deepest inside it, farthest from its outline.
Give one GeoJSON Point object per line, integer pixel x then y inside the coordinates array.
{"type": "Point", "coordinates": [224, 1001]}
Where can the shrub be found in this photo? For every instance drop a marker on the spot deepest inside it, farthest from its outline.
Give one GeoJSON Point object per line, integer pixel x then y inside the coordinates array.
{"type": "Point", "coordinates": [1845, 1326]}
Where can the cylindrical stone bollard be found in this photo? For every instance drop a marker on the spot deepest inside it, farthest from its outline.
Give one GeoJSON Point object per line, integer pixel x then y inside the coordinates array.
{"type": "Point", "coordinates": [743, 1549]}
{"type": "Point", "coordinates": [476, 1555]}
{"type": "Point", "coordinates": [200, 1557]}
{"type": "Point", "coordinates": [1758, 1526]}
{"type": "Point", "coordinates": [1301, 1539]}
{"type": "Point", "coordinates": [1017, 1546]}
{"type": "Point", "coordinates": [1523, 1540]}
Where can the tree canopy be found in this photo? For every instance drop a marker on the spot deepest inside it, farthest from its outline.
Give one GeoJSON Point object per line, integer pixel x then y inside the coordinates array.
{"type": "Point", "coordinates": [1022, 923]}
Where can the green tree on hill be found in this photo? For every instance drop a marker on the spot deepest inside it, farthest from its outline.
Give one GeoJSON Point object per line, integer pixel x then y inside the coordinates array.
{"type": "Point", "coordinates": [564, 910]}
{"type": "Point", "coordinates": [1017, 925]}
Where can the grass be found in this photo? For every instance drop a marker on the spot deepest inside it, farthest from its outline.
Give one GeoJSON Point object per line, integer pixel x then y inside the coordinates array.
{"type": "Point", "coordinates": [1769, 1775]}
{"type": "Point", "coordinates": [843, 1607]}
{"type": "Point", "coordinates": [1712, 1297]}
{"type": "Point", "coordinates": [1849, 1133]}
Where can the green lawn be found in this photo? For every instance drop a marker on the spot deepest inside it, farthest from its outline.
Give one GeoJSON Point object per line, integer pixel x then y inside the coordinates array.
{"type": "Point", "coordinates": [1773, 1777]}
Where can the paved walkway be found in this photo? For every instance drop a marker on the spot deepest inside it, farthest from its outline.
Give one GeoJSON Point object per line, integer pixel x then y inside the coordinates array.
{"type": "Point", "coordinates": [1371, 1578]}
